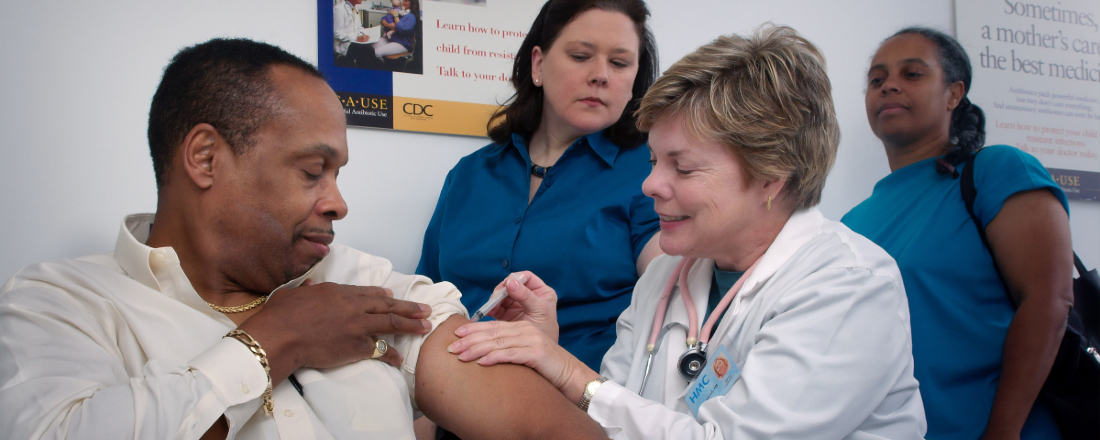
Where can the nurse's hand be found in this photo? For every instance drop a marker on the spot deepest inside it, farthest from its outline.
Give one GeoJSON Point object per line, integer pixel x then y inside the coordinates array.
{"type": "Point", "coordinates": [495, 342]}
{"type": "Point", "coordinates": [529, 300]}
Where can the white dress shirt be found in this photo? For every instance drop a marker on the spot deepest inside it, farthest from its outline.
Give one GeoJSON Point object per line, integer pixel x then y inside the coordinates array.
{"type": "Point", "coordinates": [345, 26]}
{"type": "Point", "coordinates": [121, 346]}
{"type": "Point", "coordinates": [819, 330]}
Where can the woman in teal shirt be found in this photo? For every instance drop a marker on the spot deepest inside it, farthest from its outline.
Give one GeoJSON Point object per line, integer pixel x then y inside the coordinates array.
{"type": "Point", "coordinates": [559, 191]}
{"type": "Point", "coordinates": [980, 361]}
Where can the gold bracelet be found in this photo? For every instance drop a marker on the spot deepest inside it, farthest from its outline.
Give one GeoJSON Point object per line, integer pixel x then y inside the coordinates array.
{"type": "Point", "coordinates": [261, 355]}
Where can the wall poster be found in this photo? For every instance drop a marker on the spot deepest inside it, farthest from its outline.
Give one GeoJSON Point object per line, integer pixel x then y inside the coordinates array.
{"type": "Point", "coordinates": [440, 66]}
{"type": "Point", "coordinates": [1037, 77]}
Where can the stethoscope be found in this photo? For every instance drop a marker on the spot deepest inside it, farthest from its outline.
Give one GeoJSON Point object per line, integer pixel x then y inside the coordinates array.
{"type": "Point", "coordinates": [692, 361]}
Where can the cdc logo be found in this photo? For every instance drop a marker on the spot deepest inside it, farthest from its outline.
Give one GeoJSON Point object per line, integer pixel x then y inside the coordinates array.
{"type": "Point", "coordinates": [416, 109]}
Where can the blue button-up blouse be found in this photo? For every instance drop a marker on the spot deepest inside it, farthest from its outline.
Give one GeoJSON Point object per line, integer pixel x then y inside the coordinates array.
{"type": "Point", "coordinates": [581, 233]}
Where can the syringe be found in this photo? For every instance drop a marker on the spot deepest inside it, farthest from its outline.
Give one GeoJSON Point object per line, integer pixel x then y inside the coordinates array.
{"type": "Point", "coordinates": [494, 300]}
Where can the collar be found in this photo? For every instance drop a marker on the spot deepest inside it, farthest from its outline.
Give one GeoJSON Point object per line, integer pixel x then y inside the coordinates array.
{"type": "Point", "coordinates": [598, 142]}
{"type": "Point", "coordinates": [725, 279]}
{"type": "Point", "coordinates": [132, 253]}
{"type": "Point", "coordinates": [803, 225]}
{"type": "Point", "coordinates": [799, 229]}
{"type": "Point", "coordinates": [139, 260]}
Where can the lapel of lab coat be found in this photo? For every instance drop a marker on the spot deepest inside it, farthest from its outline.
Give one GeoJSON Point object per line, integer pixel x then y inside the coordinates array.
{"type": "Point", "coordinates": [799, 229]}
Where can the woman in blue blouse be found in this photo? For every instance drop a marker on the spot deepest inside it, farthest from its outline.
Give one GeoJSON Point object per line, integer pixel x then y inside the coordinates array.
{"type": "Point", "coordinates": [980, 360]}
{"type": "Point", "coordinates": [404, 32]}
{"type": "Point", "coordinates": [558, 192]}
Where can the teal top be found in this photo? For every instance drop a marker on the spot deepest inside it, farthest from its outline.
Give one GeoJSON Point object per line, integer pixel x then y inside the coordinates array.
{"type": "Point", "coordinates": [959, 310]}
{"type": "Point", "coordinates": [721, 283]}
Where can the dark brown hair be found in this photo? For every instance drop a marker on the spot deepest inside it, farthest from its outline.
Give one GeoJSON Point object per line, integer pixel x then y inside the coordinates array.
{"type": "Point", "coordinates": [522, 113]}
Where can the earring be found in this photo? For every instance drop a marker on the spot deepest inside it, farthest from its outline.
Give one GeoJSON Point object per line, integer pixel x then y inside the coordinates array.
{"type": "Point", "coordinates": [769, 203]}
{"type": "Point", "coordinates": [536, 81]}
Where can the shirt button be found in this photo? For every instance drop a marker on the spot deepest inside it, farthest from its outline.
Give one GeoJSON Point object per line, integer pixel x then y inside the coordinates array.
{"type": "Point", "coordinates": [244, 388]}
{"type": "Point", "coordinates": [158, 257]}
{"type": "Point", "coordinates": [288, 413]}
{"type": "Point", "coordinates": [504, 263]}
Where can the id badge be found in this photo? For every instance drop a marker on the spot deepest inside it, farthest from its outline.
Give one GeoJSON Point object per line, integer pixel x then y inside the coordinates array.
{"type": "Point", "coordinates": [715, 380]}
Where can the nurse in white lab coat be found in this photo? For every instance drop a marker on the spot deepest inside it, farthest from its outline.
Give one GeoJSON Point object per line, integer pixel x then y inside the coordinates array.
{"type": "Point", "coordinates": [806, 331]}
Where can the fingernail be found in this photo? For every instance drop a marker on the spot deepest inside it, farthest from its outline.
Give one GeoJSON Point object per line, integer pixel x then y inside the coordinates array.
{"type": "Point", "coordinates": [425, 308]}
{"type": "Point", "coordinates": [481, 361]}
{"type": "Point", "coordinates": [451, 348]}
{"type": "Point", "coordinates": [513, 284]}
{"type": "Point", "coordinates": [461, 331]}
{"type": "Point", "coordinates": [427, 324]}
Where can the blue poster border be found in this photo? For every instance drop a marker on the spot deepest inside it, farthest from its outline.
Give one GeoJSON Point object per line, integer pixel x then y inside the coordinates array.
{"type": "Point", "coordinates": [347, 80]}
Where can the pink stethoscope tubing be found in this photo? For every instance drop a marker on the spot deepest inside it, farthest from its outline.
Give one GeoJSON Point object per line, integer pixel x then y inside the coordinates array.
{"type": "Point", "coordinates": [680, 274]}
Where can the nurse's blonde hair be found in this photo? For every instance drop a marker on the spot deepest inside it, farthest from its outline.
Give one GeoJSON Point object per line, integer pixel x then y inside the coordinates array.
{"type": "Point", "coordinates": [766, 96]}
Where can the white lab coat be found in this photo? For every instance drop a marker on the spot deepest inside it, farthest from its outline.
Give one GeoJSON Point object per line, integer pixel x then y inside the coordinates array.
{"type": "Point", "coordinates": [345, 26]}
{"type": "Point", "coordinates": [820, 332]}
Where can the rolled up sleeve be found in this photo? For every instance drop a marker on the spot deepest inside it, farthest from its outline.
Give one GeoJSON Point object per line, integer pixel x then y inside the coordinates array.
{"type": "Point", "coordinates": [443, 298]}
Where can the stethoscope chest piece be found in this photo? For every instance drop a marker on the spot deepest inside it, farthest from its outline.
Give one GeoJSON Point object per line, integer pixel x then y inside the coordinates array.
{"type": "Point", "coordinates": [692, 362]}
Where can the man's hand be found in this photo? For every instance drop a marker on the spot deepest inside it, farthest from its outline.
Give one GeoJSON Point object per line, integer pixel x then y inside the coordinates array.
{"type": "Point", "coordinates": [329, 325]}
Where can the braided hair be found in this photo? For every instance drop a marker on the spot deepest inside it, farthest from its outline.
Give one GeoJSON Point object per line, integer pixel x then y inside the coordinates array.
{"type": "Point", "coordinates": [967, 120]}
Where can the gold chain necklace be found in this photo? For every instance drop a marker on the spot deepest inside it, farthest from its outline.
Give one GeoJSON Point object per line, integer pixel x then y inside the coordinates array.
{"type": "Point", "coordinates": [238, 309]}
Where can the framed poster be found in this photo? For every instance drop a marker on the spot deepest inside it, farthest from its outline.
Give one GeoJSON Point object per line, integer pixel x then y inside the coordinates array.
{"type": "Point", "coordinates": [439, 66]}
{"type": "Point", "coordinates": [1037, 77]}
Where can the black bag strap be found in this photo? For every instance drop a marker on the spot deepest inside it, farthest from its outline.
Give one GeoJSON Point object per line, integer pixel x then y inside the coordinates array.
{"type": "Point", "coordinates": [1070, 388]}
{"type": "Point", "coordinates": [969, 194]}
{"type": "Point", "coordinates": [1081, 270]}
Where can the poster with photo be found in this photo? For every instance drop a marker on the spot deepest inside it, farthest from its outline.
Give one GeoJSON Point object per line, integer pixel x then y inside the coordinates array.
{"type": "Point", "coordinates": [1037, 77]}
{"type": "Point", "coordinates": [439, 66]}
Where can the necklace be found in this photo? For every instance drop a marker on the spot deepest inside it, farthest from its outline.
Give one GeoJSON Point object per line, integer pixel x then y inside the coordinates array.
{"type": "Point", "coordinates": [540, 172]}
{"type": "Point", "coordinates": [238, 309]}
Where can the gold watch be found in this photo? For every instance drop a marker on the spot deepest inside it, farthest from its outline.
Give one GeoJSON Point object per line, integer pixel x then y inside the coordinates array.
{"type": "Point", "coordinates": [590, 391]}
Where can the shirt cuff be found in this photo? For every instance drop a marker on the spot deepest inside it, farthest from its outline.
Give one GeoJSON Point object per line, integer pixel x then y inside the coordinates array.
{"type": "Point", "coordinates": [234, 371]}
{"type": "Point", "coordinates": [601, 407]}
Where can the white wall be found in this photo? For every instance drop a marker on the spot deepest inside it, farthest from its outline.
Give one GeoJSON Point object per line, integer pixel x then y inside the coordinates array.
{"type": "Point", "coordinates": [76, 79]}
